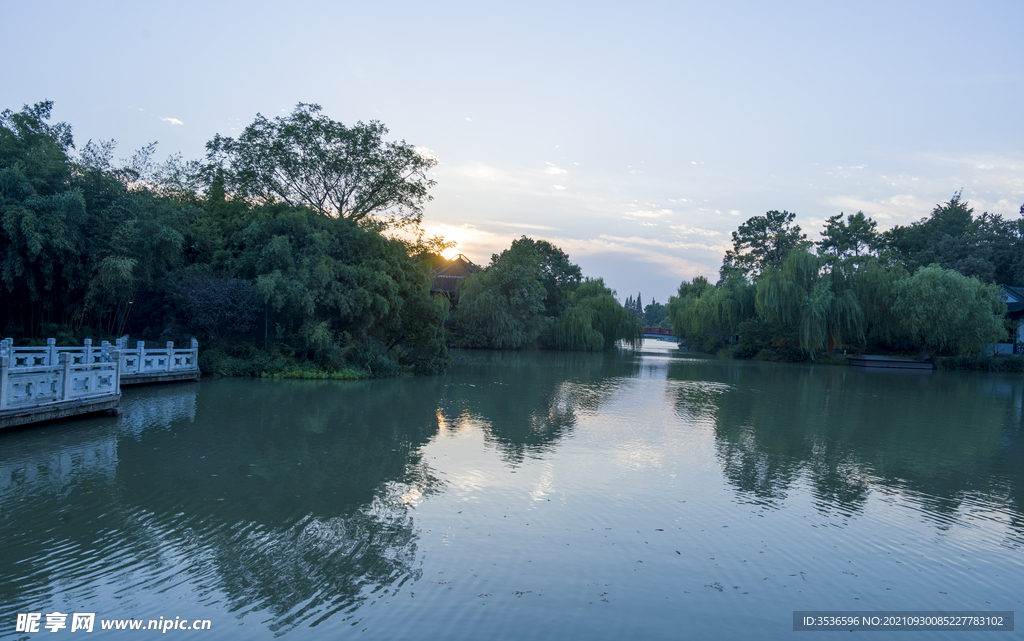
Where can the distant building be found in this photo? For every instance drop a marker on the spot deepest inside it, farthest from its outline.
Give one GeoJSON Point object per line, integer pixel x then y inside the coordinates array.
{"type": "Point", "coordinates": [1014, 297]}
{"type": "Point", "coordinates": [448, 276]}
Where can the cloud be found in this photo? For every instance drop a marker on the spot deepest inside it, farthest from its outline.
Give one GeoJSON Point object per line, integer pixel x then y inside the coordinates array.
{"type": "Point", "coordinates": [559, 187]}
{"type": "Point", "coordinates": [425, 152]}
{"type": "Point", "coordinates": [475, 243]}
{"type": "Point", "coordinates": [553, 170]}
{"type": "Point", "coordinates": [666, 244]}
{"type": "Point", "coordinates": [173, 121]}
{"type": "Point", "coordinates": [478, 171]}
{"type": "Point", "coordinates": [648, 213]}
{"type": "Point", "coordinates": [734, 212]}
{"type": "Point", "coordinates": [686, 230]}
{"type": "Point", "coordinates": [900, 209]}
{"type": "Point", "coordinates": [522, 225]}
{"type": "Point", "coordinates": [634, 248]}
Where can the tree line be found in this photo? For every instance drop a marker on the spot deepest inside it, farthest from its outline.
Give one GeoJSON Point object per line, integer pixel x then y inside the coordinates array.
{"type": "Point", "coordinates": [277, 250]}
{"type": "Point", "coordinates": [532, 296]}
{"type": "Point", "coordinates": [930, 287]}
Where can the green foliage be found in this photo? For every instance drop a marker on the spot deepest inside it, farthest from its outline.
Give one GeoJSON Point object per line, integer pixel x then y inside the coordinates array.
{"type": "Point", "coordinates": [986, 247]}
{"type": "Point", "coordinates": [874, 286]}
{"type": "Point", "coordinates": [88, 246]}
{"type": "Point", "coordinates": [317, 374]}
{"type": "Point", "coordinates": [1012, 364]}
{"type": "Point", "coordinates": [656, 315]}
{"type": "Point", "coordinates": [762, 242]}
{"type": "Point", "coordinates": [818, 304]}
{"type": "Point", "coordinates": [595, 320]}
{"type": "Point", "coordinates": [853, 238]}
{"type": "Point", "coordinates": [705, 317]}
{"type": "Point", "coordinates": [532, 296]}
{"type": "Point", "coordinates": [330, 286]}
{"type": "Point", "coordinates": [634, 305]}
{"type": "Point", "coordinates": [947, 312]}
{"type": "Point", "coordinates": [857, 290]}
{"type": "Point", "coordinates": [217, 304]}
{"type": "Point", "coordinates": [574, 330]}
{"type": "Point", "coordinates": [306, 159]}
{"type": "Point", "coordinates": [502, 306]}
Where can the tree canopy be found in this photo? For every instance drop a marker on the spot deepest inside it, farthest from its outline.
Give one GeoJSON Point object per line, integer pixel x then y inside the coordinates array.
{"type": "Point", "coordinates": [90, 247]}
{"type": "Point", "coordinates": [988, 247]}
{"type": "Point", "coordinates": [855, 237]}
{"type": "Point", "coordinates": [306, 159]}
{"type": "Point", "coordinates": [926, 287]}
{"type": "Point", "coordinates": [762, 242]}
{"type": "Point", "coordinates": [944, 310]}
{"type": "Point", "coordinates": [531, 295]}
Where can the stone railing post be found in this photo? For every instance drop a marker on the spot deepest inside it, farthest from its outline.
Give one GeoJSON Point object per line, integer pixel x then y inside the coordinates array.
{"type": "Point", "coordinates": [5, 362]}
{"type": "Point", "coordinates": [65, 362]}
{"type": "Point", "coordinates": [194, 346]}
{"type": "Point", "coordinates": [51, 352]}
{"type": "Point", "coordinates": [87, 344]}
{"type": "Point", "coordinates": [116, 355]}
{"type": "Point", "coordinates": [170, 355]}
{"type": "Point", "coordinates": [140, 347]}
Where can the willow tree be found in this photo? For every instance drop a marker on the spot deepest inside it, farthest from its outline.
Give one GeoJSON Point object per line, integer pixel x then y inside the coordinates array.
{"type": "Point", "coordinates": [595, 320]}
{"type": "Point", "coordinates": [817, 305]}
{"type": "Point", "coordinates": [705, 316]}
{"type": "Point", "coordinates": [946, 311]}
{"type": "Point", "coordinates": [874, 286]}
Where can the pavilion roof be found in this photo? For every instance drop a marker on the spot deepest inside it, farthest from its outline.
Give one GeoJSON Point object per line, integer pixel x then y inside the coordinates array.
{"type": "Point", "coordinates": [448, 275]}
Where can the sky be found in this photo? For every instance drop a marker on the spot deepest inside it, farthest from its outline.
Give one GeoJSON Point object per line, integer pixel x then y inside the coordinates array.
{"type": "Point", "coordinates": [635, 136]}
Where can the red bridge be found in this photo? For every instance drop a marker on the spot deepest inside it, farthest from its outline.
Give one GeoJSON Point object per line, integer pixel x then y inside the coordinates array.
{"type": "Point", "coordinates": [657, 331]}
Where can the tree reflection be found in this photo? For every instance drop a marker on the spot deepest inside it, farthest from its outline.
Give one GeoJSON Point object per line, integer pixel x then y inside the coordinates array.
{"type": "Point", "coordinates": [299, 489]}
{"type": "Point", "coordinates": [289, 497]}
{"type": "Point", "coordinates": [527, 402]}
{"type": "Point", "coordinates": [943, 437]}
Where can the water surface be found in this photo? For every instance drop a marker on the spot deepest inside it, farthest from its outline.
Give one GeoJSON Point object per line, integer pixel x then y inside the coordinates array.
{"type": "Point", "coordinates": [525, 495]}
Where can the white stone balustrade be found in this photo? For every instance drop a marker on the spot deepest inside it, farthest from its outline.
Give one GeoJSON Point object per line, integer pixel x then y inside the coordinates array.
{"type": "Point", "coordinates": [38, 386]}
{"type": "Point", "coordinates": [141, 363]}
{"type": "Point", "coordinates": [137, 365]}
{"type": "Point", "coordinates": [49, 382]}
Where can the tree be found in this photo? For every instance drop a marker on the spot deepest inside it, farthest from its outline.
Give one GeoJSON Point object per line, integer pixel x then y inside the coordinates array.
{"type": "Point", "coordinates": [655, 314]}
{"type": "Point", "coordinates": [217, 305]}
{"type": "Point", "coordinates": [874, 286]}
{"type": "Point", "coordinates": [339, 294]}
{"type": "Point", "coordinates": [815, 305]}
{"type": "Point", "coordinates": [855, 237]}
{"type": "Point", "coordinates": [556, 273]}
{"type": "Point", "coordinates": [307, 159]}
{"type": "Point", "coordinates": [595, 320]}
{"type": "Point", "coordinates": [987, 247]}
{"type": "Point", "coordinates": [706, 316]}
{"type": "Point", "coordinates": [502, 307]}
{"type": "Point", "coordinates": [762, 242]}
{"type": "Point", "coordinates": [946, 311]}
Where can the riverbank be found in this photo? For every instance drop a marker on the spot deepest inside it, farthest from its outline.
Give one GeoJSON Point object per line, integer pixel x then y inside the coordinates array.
{"type": "Point", "coordinates": [977, 363]}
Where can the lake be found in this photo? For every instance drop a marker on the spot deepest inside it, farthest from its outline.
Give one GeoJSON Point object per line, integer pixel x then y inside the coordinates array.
{"type": "Point", "coordinates": [628, 494]}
